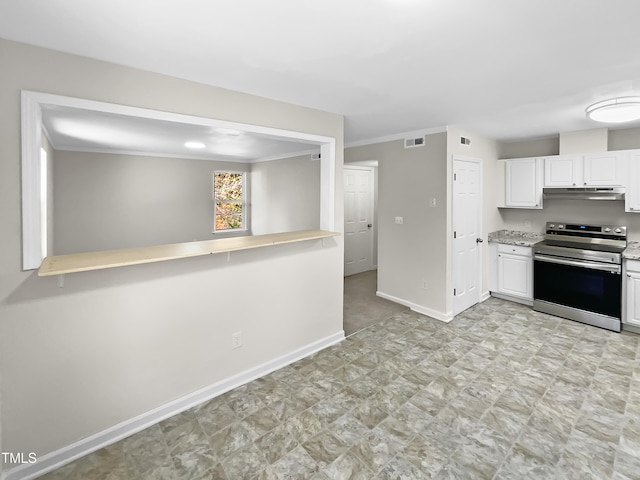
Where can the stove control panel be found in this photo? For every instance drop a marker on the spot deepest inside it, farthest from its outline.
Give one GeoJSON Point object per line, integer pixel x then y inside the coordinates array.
{"type": "Point", "coordinates": [581, 230]}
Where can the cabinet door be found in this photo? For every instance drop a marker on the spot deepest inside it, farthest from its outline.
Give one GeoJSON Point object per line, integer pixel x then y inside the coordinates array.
{"type": "Point", "coordinates": [515, 275]}
{"type": "Point", "coordinates": [523, 189]}
{"type": "Point", "coordinates": [563, 171]}
{"type": "Point", "coordinates": [603, 169]}
{"type": "Point", "coordinates": [632, 195]}
{"type": "Point", "coordinates": [633, 299]}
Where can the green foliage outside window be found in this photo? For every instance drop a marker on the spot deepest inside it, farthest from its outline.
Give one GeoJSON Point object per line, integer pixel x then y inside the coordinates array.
{"type": "Point", "coordinates": [228, 196]}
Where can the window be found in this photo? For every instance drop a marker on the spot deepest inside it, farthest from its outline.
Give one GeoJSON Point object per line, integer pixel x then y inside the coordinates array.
{"type": "Point", "coordinates": [229, 197]}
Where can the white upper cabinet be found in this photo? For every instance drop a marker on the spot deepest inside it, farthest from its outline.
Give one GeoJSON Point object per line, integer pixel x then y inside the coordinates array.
{"type": "Point", "coordinates": [603, 169]}
{"type": "Point", "coordinates": [590, 170]}
{"type": "Point", "coordinates": [632, 195]}
{"type": "Point", "coordinates": [562, 171]}
{"type": "Point", "coordinates": [523, 183]}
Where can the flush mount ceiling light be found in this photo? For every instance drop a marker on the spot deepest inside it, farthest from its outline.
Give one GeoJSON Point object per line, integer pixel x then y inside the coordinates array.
{"type": "Point", "coordinates": [616, 110]}
{"type": "Point", "coordinates": [195, 145]}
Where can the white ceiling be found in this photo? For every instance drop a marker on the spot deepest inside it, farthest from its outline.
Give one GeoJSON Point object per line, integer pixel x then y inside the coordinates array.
{"type": "Point", "coordinates": [77, 129]}
{"type": "Point", "coordinates": [506, 69]}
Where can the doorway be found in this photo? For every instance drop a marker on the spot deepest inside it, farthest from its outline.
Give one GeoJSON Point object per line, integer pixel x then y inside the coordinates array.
{"type": "Point", "coordinates": [359, 228]}
{"type": "Point", "coordinates": [362, 306]}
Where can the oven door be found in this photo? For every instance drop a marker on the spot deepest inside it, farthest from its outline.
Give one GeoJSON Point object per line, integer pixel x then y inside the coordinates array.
{"type": "Point", "coordinates": [577, 284]}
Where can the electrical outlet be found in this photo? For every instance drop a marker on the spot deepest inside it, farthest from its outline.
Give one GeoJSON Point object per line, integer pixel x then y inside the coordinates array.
{"type": "Point", "coordinates": [236, 340]}
{"type": "Point", "coordinates": [433, 202]}
{"type": "Point", "coordinates": [399, 220]}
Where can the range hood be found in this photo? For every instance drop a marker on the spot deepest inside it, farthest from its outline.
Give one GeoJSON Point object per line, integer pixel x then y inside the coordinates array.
{"type": "Point", "coordinates": [584, 193]}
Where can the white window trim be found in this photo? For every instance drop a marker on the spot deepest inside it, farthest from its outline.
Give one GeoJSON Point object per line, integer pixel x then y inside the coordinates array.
{"type": "Point", "coordinates": [245, 206]}
{"type": "Point", "coordinates": [44, 178]}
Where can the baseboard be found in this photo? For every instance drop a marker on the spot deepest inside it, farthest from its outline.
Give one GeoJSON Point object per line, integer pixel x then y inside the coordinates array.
{"type": "Point", "coordinates": [485, 296]}
{"type": "Point", "coordinates": [443, 317]}
{"type": "Point", "coordinates": [523, 301]}
{"type": "Point", "coordinates": [630, 328]}
{"type": "Point", "coordinates": [65, 455]}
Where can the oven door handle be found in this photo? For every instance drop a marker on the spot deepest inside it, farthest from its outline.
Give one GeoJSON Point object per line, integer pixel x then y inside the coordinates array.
{"type": "Point", "coordinates": [580, 263]}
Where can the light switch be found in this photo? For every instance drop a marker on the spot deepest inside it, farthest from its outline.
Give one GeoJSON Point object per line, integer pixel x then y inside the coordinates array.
{"type": "Point", "coordinates": [399, 220]}
{"type": "Point", "coordinates": [433, 202]}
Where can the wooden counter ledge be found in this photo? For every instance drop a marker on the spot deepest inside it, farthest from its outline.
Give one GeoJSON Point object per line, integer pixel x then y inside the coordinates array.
{"type": "Point", "coordinates": [82, 262]}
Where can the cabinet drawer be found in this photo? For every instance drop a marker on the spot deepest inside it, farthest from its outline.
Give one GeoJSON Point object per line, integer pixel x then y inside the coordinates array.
{"type": "Point", "coordinates": [633, 266]}
{"type": "Point", "coordinates": [514, 249]}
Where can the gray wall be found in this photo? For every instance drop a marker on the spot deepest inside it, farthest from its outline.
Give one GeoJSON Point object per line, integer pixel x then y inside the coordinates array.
{"type": "Point", "coordinates": [420, 249]}
{"type": "Point", "coordinates": [530, 148]}
{"type": "Point", "coordinates": [105, 201]}
{"type": "Point", "coordinates": [285, 195]}
{"type": "Point", "coordinates": [114, 344]}
{"type": "Point", "coordinates": [411, 253]}
{"type": "Point", "coordinates": [624, 139]}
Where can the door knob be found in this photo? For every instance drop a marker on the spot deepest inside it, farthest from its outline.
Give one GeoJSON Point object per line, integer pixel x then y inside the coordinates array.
{"type": "Point", "coordinates": [369, 225]}
{"type": "Point", "coordinates": [479, 240]}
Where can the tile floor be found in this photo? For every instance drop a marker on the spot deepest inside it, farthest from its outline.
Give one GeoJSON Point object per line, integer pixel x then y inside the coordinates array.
{"type": "Point", "coordinates": [501, 392]}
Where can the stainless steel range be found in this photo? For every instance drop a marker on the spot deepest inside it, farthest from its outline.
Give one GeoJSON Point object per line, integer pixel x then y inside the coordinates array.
{"type": "Point", "coordinates": [577, 273]}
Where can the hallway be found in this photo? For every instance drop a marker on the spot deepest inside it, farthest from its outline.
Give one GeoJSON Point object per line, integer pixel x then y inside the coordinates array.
{"type": "Point", "coordinates": [361, 305]}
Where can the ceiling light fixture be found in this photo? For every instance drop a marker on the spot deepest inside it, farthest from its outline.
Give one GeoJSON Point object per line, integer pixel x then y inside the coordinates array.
{"type": "Point", "coordinates": [195, 145]}
{"type": "Point", "coordinates": [616, 110]}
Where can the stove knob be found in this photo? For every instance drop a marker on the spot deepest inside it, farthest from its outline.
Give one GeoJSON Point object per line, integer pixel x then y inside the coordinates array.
{"type": "Point", "coordinates": [560, 227]}
{"type": "Point", "coordinates": [552, 225]}
{"type": "Point", "coordinates": [618, 230]}
{"type": "Point", "coordinates": [607, 230]}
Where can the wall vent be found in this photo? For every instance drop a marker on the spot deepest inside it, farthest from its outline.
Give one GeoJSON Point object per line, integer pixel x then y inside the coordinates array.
{"type": "Point", "coordinates": [414, 142]}
{"type": "Point", "coordinates": [316, 156]}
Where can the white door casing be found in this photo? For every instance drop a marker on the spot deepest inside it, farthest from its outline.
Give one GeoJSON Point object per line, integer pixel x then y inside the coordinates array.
{"type": "Point", "coordinates": [467, 221]}
{"type": "Point", "coordinates": [358, 219]}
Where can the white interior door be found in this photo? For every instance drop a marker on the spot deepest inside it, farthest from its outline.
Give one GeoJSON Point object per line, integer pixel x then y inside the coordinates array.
{"type": "Point", "coordinates": [358, 220]}
{"type": "Point", "coordinates": [467, 221]}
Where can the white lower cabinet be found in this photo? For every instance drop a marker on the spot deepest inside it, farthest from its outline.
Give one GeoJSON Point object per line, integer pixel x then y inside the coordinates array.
{"type": "Point", "coordinates": [512, 275]}
{"type": "Point", "coordinates": [631, 314]}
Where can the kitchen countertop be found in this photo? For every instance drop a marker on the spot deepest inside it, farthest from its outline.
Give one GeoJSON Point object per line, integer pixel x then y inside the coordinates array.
{"type": "Point", "coordinates": [632, 252]}
{"type": "Point", "coordinates": [515, 237]}
{"type": "Point", "coordinates": [529, 239]}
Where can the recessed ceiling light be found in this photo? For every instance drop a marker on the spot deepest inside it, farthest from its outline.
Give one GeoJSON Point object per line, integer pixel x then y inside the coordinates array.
{"type": "Point", "coordinates": [615, 110]}
{"type": "Point", "coordinates": [195, 145]}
